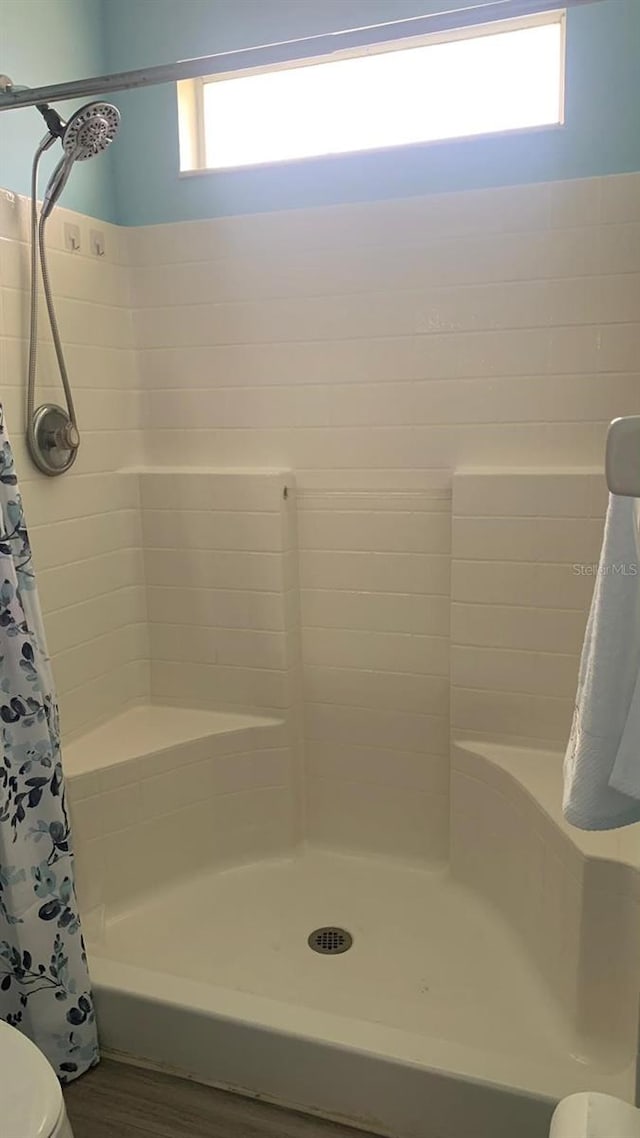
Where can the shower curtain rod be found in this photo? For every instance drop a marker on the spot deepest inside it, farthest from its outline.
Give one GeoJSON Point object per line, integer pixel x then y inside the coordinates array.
{"type": "Point", "coordinates": [284, 52]}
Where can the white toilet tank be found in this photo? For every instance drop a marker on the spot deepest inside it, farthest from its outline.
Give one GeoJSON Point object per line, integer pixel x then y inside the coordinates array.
{"type": "Point", "coordinates": [592, 1115]}
{"type": "Point", "coordinates": [30, 1094]}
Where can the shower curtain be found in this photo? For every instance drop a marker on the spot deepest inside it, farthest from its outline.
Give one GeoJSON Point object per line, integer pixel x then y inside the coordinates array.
{"type": "Point", "coordinates": [44, 983]}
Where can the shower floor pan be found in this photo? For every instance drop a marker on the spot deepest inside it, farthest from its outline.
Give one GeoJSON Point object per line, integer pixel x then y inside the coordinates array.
{"type": "Point", "coordinates": [432, 1025]}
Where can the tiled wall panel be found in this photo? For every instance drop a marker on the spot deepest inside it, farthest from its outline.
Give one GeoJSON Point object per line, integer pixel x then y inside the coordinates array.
{"type": "Point", "coordinates": [375, 668]}
{"type": "Point", "coordinates": [218, 550]}
{"type": "Point", "coordinates": [484, 328]}
{"type": "Point", "coordinates": [85, 526]}
{"type": "Point", "coordinates": [525, 546]}
{"type": "Point", "coordinates": [372, 349]}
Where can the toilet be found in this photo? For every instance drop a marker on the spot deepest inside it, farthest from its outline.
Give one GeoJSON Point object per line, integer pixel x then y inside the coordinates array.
{"type": "Point", "coordinates": [591, 1115]}
{"type": "Point", "coordinates": [30, 1094]}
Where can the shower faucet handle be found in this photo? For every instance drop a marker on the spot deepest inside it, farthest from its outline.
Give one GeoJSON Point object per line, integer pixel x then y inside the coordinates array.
{"type": "Point", "coordinates": [53, 439]}
{"type": "Point", "coordinates": [66, 436]}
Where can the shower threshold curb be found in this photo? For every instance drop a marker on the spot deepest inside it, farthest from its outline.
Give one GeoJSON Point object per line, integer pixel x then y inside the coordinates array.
{"type": "Point", "coordinates": [303, 1059]}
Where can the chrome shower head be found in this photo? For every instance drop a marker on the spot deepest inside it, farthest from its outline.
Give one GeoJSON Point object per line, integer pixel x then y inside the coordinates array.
{"type": "Point", "coordinates": [90, 130]}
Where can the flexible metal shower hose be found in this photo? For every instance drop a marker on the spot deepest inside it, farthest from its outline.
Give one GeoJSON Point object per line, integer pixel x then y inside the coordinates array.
{"type": "Point", "coordinates": [38, 231]}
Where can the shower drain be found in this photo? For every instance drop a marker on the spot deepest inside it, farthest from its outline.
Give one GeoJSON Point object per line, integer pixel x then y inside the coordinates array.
{"type": "Point", "coordinates": [330, 940]}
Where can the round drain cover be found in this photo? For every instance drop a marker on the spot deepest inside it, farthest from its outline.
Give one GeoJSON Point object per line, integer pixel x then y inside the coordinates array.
{"type": "Point", "coordinates": [330, 940]}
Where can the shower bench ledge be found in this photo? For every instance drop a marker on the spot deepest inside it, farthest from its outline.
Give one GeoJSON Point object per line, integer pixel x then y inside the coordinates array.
{"type": "Point", "coordinates": [538, 773]}
{"type": "Point", "coordinates": [145, 733]}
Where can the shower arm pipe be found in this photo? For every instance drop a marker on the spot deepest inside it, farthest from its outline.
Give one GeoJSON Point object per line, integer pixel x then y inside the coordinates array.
{"type": "Point", "coordinates": [283, 52]}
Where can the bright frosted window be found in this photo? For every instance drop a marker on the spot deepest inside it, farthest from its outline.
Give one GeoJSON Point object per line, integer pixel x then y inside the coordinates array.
{"type": "Point", "coordinates": [496, 78]}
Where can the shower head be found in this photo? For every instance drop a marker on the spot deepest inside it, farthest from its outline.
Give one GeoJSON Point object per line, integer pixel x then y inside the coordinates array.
{"type": "Point", "coordinates": [88, 132]}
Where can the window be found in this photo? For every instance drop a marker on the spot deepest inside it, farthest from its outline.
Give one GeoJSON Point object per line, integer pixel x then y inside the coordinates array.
{"type": "Point", "coordinates": [497, 77]}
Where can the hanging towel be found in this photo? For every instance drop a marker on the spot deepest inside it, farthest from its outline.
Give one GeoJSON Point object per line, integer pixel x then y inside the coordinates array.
{"type": "Point", "coordinates": [602, 763]}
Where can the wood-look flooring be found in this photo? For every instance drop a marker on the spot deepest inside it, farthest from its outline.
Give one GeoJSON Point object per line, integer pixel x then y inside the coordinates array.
{"type": "Point", "coordinates": [118, 1101]}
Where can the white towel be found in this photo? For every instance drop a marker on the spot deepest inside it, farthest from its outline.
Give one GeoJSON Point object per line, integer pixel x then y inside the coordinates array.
{"type": "Point", "coordinates": [602, 763]}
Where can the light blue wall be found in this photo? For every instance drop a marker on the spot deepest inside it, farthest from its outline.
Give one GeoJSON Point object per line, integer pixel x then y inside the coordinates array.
{"type": "Point", "coordinates": [50, 41]}
{"type": "Point", "coordinates": [601, 135]}
{"type": "Point", "coordinates": [137, 182]}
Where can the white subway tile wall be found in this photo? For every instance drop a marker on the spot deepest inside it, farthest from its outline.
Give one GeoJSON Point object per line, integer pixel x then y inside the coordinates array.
{"type": "Point", "coordinates": [494, 327]}
{"type": "Point", "coordinates": [85, 526]}
{"type": "Point", "coordinates": [372, 349]}
{"type": "Point", "coordinates": [218, 552]}
{"type": "Point", "coordinates": [220, 565]}
{"type": "Point", "coordinates": [375, 664]}
{"type": "Point", "coordinates": [525, 546]}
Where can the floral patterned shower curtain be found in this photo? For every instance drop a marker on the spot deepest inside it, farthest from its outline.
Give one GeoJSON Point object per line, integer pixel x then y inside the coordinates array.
{"type": "Point", "coordinates": [44, 983]}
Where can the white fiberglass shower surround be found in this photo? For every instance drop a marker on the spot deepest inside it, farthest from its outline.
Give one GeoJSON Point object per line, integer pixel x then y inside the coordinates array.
{"type": "Point", "coordinates": [315, 590]}
{"type": "Point", "coordinates": [491, 970]}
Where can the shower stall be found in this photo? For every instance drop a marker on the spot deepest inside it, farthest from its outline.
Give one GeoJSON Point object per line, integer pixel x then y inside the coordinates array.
{"type": "Point", "coordinates": [315, 579]}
